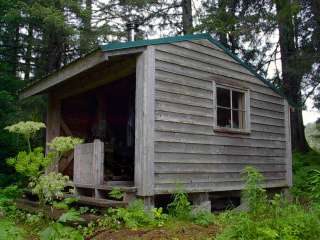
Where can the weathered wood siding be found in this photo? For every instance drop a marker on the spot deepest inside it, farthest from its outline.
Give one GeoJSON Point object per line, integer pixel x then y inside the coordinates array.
{"type": "Point", "coordinates": [187, 150]}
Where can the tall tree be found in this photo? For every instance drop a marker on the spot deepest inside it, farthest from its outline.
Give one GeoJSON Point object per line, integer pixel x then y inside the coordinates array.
{"type": "Point", "coordinates": [187, 18]}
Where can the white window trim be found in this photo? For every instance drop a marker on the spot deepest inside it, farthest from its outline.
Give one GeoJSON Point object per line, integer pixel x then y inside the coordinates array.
{"type": "Point", "coordinates": [246, 92]}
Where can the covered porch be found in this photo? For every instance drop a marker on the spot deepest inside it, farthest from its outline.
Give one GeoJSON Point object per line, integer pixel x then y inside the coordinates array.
{"type": "Point", "coordinates": [101, 98]}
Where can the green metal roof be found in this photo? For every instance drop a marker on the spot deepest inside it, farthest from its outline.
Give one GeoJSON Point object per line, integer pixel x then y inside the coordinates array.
{"type": "Point", "coordinates": [142, 43]}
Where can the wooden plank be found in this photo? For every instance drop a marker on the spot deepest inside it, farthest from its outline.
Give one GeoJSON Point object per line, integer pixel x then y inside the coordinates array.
{"type": "Point", "coordinates": [265, 112]}
{"type": "Point", "coordinates": [179, 98]}
{"type": "Point", "coordinates": [65, 128]}
{"type": "Point", "coordinates": [65, 162]}
{"type": "Point", "coordinates": [206, 67]}
{"type": "Point", "coordinates": [211, 51]}
{"type": "Point", "coordinates": [182, 118]}
{"type": "Point", "coordinates": [195, 158]}
{"type": "Point", "coordinates": [209, 76]}
{"type": "Point", "coordinates": [145, 120]}
{"type": "Point", "coordinates": [183, 80]}
{"type": "Point", "coordinates": [183, 108]}
{"type": "Point", "coordinates": [191, 53]}
{"type": "Point", "coordinates": [209, 168]}
{"type": "Point", "coordinates": [110, 72]}
{"type": "Point", "coordinates": [65, 73]}
{"type": "Point", "coordinates": [266, 105]}
{"type": "Point", "coordinates": [183, 90]}
{"type": "Point", "coordinates": [214, 187]}
{"type": "Point", "coordinates": [267, 128]}
{"type": "Point", "coordinates": [216, 140]}
{"type": "Point", "coordinates": [53, 126]}
{"type": "Point", "coordinates": [212, 149]}
{"type": "Point", "coordinates": [185, 178]}
{"type": "Point", "coordinates": [267, 120]}
{"type": "Point", "coordinates": [288, 143]}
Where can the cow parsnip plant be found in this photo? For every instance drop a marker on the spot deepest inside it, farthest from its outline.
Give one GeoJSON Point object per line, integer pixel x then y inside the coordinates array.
{"type": "Point", "coordinates": [50, 187]}
{"type": "Point", "coordinates": [30, 164]}
{"type": "Point", "coordinates": [62, 145]}
{"type": "Point", "coordinates": [28, 129]}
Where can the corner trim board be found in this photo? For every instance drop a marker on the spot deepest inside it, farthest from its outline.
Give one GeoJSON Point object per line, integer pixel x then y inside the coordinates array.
{"type": "Point", "coordinates": [145, 120]}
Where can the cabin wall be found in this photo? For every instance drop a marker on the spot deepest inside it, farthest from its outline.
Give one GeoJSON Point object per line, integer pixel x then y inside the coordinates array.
{"type": "Point", "coordinates": [187, 149]}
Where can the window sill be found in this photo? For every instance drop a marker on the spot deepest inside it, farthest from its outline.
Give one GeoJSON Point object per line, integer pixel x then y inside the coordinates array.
{"type": "Point", "coordinates": [231, 130]}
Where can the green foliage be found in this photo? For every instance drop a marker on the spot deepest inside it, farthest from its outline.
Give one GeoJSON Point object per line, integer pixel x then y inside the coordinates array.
{"type": "Point", "coordinates": [315, 185]}
{"type": "Point", "coordinates": [305, 175]}
{"type": "Point", "coordinates": [50, 187]}
{"type": "Point", "coordinates": [132, 217]}
{"type": "Point", "coordinates": [59, 231]}
{"type": "Point", "coordinates": [116, 193]}
{"type": "Point", "coordinates": [27, 129]}
{"type": "Point", "coordinates": [272, 219]}
{"type": "Point", "coordinates": [9, 231]}
{"type": "Point", "coordinates": [64, 144]}
{"type": "Point", "coordinates": [253, 193]}
{"type": "Point", "coordinates": [180, 207]}
{"type": "Point", "coordinates": [30, 164]}
{"type": "Point", "coordinates": [203, 218]}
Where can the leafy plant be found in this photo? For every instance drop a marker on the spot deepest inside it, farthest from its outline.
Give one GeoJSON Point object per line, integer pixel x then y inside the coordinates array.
{"type": "Point", "coordinates": [59, 231]}
{"type": "Point", "coordinates": [180, 207]}
{"type": "Point", "coordinates": [315, 185]}
{"type": "Point", "coordinates": [9, 231]}
{"type": "Point", "coordinates": [30, 164]}
{"type": "Point", "coordinates": [50, 187]}
{"type": "Point", "coordinates": [28, 129]}
{"type": "Point", "coordinates": [203, 218]}
{"type": "Point", "coordinates": [116, 193]}
{"type": "Point", "coordinates": [62, 145]}
{"type": "Point", "coordinates": [253, 193]}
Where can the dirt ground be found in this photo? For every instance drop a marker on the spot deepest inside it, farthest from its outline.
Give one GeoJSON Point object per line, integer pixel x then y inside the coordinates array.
{"type": "Point", "coordinates": [173, 232]}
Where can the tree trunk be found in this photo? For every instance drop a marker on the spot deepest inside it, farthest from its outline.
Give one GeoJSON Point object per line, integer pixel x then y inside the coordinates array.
{"type": "Point", "coordinates": [187, 18]}
{"type": "Point", "coordinates": [28, 53]}
{"type": "Point", "coordinates": [86, 33]}
{"type": "Point", "coordinates": [291, 78]}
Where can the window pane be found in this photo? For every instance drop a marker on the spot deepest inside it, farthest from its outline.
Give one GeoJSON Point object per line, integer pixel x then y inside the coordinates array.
{"type": "Point", "coordinates": [223, 117]}
{"type": "Point", "coordinates": [237, 100]}
{"type": "Point", "coordinates": [238, 120]}
{"type": "Point", "coordinates": [223, 97]}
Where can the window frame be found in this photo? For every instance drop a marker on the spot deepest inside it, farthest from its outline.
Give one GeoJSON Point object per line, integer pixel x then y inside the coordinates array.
{"type": "Point", "coordinates": [246, 109]}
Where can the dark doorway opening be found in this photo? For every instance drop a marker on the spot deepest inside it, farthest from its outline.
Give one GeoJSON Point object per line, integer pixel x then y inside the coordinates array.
{"type": "Point", "coordinates": [106, 113]}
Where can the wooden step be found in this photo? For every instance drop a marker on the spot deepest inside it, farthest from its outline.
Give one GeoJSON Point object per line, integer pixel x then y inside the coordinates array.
{"type": "Point", "coordinates": [121, 188]}
{"type": "Point", "coordinates": [102, 203]}
{"type": "Point", "coordinates": [108, 187]}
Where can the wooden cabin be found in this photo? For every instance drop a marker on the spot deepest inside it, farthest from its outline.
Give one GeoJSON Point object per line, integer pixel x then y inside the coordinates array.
{"type": "Point", "coordinates": [157, 113]}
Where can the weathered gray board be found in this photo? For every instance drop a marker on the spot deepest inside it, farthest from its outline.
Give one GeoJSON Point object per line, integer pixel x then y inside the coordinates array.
{"type": "Point", "coordinates": [88, 164]}
{"type": "Point", "coordinates": [187, 149]}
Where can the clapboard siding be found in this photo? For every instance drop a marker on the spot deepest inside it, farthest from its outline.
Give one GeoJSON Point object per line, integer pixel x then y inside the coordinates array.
{"type": "Point", "coordinates": [196, 128]}
{"type": "Point", "coordinates": [215, 186]}
{"type": "Point", "coordinates": [187, 149]}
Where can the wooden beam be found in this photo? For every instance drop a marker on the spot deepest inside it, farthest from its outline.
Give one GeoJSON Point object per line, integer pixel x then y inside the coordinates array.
{"type": "Point", "coordinates": [145, 120]}
{"type": "Point", "coordinates": [99, 77]}
{"type": "Point", "coordinates": [65, 128]}
{"type": "Point", "coordinates": [65, 73]}
{"type": "Point", "coordinates": [65, 162]}
{"type": "Point", "coordinates": [53, 125]}
{"type": "Point", "coordinates": [288, 143]}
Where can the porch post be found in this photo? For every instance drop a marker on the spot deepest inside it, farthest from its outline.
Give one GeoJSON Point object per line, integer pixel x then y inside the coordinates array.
{"type": "Point", "coordinates": [53, 125]}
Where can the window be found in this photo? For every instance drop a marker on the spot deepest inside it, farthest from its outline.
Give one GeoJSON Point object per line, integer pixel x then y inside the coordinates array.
{"type": "Point", "coordinates": [231, 109]}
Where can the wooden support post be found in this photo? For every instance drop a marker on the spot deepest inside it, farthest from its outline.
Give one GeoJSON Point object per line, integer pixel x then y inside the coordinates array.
{"type": "Point", "coordinates": [148, 203]}
{"type": "Point", "coordinates": [144, 123]}
{"type": "Point", "coordinates": [201, 202]}
{"type": "Point", "coordinates": [53, 125]}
